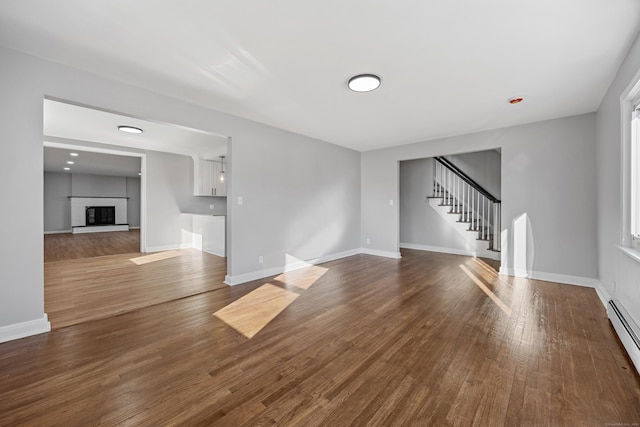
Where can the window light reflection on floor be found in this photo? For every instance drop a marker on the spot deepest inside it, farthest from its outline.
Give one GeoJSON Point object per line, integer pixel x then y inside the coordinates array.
{"type": "Point", "coordinates": [158, 256]}
{"type": "Point", "coordinates": [487, 291]}
{"type": "Point", "coordinates": [249, 314]}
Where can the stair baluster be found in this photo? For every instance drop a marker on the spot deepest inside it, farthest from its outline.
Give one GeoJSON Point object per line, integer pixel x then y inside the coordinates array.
{"type": "Point", "coordinates": [468, 199]}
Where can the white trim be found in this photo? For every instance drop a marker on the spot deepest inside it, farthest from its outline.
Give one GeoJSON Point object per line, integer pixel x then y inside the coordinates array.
{"type": "Point", "coordinates": [437, 249]}
{"type": "Point", "coordinates": [385, 254]}
{"type": "Point", "coordinates": [169, 247]}
{"type": "Point", "coordinates": [552, 277]}
{"type": "Point", "coordinates": [25, 329]}
{"type": "Point", "coordinates": [631, 253]}
{"type": "Point", "coordinates": [59, 232]}
{"type": "Point", "coordinates": [268, 272]}
{"type": "Point", "coordinates": [626, 110]}
{"type": "Point", "coordinates": [603, 294]}
{"type": "Point", "coordinates": [213, 253]}
{"type": "Point", "coordinates": [134, 228]}
{"type": "Point", "coordinates": [100, 229]}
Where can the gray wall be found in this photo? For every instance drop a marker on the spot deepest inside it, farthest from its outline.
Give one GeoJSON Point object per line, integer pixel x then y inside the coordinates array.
{"type": "Point", "coordinates": [549, 209]}
{"type": "Point", "coordinates": [86, 185]}
{"type": "Point", "coordinates": [57, 208]}
{"type": "Point", "coordinates": [133, 204]}
{"type": "Point", "coordinates": [58, 186]}
{"type": "Point", "coordinates": [301, 197]}
{"type": "Point", "coordinates": [619, 274]}
{"type": "Point", "coordinates": [484, 167]}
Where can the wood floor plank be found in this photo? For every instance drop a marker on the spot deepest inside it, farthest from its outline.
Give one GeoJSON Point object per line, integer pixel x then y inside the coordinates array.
{"type": "Point", "coordinates": [367, 341]}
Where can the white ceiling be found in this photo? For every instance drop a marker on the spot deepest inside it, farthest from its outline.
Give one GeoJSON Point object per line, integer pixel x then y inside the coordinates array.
{"type": "Point", "coordinates": [63, 120]}
{"type": "Point", "coordinates": [447, 67]}
{"type": "Point", "coordinates": [55, 160]}
{"type": "Point", "coordinates": [78, 123]}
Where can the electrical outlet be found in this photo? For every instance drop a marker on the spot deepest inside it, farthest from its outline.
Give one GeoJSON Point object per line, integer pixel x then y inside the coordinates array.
{"type": "Point", "coordinates": [211, 207]}
{"type": "Point", "coordinates": [390, 202]}
{"type": "Point", "coordinates": [368, 241]}
{"type": "Point", "coordinates": [260, 259]}
{"type": "Point", "coordinates": [240, 200]}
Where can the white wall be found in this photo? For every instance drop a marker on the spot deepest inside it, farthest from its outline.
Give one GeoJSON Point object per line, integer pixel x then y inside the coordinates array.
{"type": "Point", "coordinates": [548, 203]}
{"type": "Point", "coordinates": [301, 196]}
{"type": "Point", "coordinates": [619, 274]}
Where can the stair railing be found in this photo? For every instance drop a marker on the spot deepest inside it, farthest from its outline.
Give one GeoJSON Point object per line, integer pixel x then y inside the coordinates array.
{"type": "Point", "coordinates": [466, 197]}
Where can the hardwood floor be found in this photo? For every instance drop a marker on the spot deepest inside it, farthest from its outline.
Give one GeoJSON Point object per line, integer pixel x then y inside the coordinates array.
{"type": "Point", "coordinates": [81, 290]}
{"type": "Point", "coordinates": [66, 246]}
{"type": "Point", "coordinates": [96, 275]}
{"type": "Point", "coordinates": [430, 339]}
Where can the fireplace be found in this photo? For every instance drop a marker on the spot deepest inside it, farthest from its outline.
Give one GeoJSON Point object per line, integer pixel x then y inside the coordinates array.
{"type": "Point", "coordinates": [100, 215]}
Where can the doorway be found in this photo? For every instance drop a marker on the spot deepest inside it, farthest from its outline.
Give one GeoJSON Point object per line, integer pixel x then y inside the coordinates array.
{"type": "Point", "coordinates": [106, 277]}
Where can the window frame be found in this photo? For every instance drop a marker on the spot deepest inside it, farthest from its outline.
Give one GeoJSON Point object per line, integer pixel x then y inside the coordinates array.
{"type": "Point", "coordinates": [630, 170]}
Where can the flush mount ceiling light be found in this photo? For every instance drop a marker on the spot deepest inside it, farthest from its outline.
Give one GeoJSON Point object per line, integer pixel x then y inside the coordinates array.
{"type": "Point", "coordinates": [364, 82]}
{"type": "Point", "coordinates": [515, 100]}
{"type": "Point", "coordinates": [69, 162]}
{"type": "Point", "coordinates": [73, 154]}
{"type": "Point", "coordinates": [67, 169]}
{"type": "Point", "coordinates": [130, 129]}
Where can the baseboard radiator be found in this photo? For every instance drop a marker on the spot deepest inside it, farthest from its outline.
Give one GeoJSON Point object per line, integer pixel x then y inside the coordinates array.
{"type": "Point", "coordinates": [627, 330]}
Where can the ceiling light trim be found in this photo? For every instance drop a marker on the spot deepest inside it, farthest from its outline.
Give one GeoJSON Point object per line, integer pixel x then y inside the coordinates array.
{"type": "Point", "coordinates": [362, 83]}
{"type": "Point", "coordinates": [130, 129]}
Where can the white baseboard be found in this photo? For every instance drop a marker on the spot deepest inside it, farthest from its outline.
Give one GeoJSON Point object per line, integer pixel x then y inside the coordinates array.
{"type": "Point", "coordinates": [385, 254]}
{"type": "Point", "coordinates": [552, 277]}
{"type": "Point", "coordinates": [25, 329]}
{"type": "Point", "coordinates": [437, 249]}
{"type": "Point", "coordinates": [58, 232]}
{"type": "Point", "coordinates": [168, 247]}
{"type": "Point", "coordinates": [134, 228]}
{"type": "Point", "coordinates": [100, 229]}
{"type": "Point", "coordinates": [268, 272]}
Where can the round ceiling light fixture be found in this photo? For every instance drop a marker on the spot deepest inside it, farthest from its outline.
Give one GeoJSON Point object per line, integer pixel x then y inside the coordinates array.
{"type": "Point", "coordinates": [130, 129]}
{"type": "Point", "coordinates": [364, 82]}
{"type": "Point", "coordinates": [515, 100]}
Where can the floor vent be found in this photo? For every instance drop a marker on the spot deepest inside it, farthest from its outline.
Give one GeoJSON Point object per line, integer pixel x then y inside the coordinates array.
{"type": "Point", "coordinates": [627, 330]}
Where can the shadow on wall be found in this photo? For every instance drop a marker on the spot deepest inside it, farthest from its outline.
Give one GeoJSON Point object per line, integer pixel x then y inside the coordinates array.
{"type": "Point", "coordinates": [520, 249]}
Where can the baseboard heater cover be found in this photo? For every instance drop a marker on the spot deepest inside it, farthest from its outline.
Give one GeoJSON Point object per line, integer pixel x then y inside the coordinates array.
{"type": "Point", "coordinates": [627, 330]}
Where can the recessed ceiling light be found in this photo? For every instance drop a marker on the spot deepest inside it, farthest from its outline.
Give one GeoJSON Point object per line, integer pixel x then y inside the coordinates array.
{"type": "Point", "coordinates": [515, 100]}
{"type": "Point", "coordinates": [67, 169]}
{"type": "Point", "coordinates": [70, 162]}
{"type": "Point", "coordinates": [364, 82]}
{"type": "Point", "coordinates": [139, 173]}
{"type": "Point", "coordinates": [130, 129]}
{"type": "Point", "coordinates": [73, 154]}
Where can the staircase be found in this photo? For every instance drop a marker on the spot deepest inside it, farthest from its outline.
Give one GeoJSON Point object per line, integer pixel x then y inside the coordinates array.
{"type": "Point", "coordinates": [468, 207]}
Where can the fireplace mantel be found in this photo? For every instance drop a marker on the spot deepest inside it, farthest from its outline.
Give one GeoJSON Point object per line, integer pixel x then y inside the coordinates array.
{"type": "Point", "coordinates": [79, 205]}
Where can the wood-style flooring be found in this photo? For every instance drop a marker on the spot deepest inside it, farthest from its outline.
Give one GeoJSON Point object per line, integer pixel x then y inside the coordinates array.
{"type": "Point", "coordinates": [66, 246]}
{"type": "Point", "coordinates": [97, 275]}
{"type": "Point", "coordinates": [429, 339]}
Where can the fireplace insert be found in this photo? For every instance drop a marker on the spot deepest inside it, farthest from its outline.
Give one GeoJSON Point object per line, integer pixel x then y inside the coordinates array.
{"type": "Point", "coordinates": [101, 215]}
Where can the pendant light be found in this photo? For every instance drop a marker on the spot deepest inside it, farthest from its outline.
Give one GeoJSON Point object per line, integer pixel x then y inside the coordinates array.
{"type": "Point", "coordinates": [222, 169]}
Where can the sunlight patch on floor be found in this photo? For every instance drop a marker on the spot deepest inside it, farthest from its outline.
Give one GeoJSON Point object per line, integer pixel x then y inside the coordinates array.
{"type": "Point", "coordinates": [159, 256]}
{"type": "Point", "coordinates": [487, 291]}
{"type": "Point", "coordinates": [303, 278]}
{"type": "Point", "coordinates": [249, 314]}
